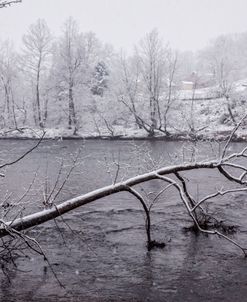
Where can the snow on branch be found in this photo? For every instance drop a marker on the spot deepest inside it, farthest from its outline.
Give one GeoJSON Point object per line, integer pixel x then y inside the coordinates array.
{"type": "Point", "coordinates": [8, 3]}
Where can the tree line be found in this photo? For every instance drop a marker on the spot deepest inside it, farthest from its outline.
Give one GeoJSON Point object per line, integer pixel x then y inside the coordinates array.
{"type": "Point", "coordinates": [75, 80]}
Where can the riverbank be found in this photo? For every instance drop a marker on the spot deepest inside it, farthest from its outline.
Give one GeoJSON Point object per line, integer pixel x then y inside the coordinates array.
{"type": "Point", "coordinates": [209, 119]}
{"type": "Point", "coordinates": [122, 133]}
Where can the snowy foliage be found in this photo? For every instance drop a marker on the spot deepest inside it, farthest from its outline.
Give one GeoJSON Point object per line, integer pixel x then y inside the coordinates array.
{"type": "Point", "coordinates": [76, 82]}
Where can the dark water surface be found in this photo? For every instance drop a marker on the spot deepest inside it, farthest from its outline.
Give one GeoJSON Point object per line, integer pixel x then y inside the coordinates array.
{"type": "Point", "coordinates": [98, 251]}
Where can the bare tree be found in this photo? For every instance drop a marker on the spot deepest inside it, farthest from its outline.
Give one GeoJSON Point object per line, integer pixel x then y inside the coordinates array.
{"type": "Point", "coordinates": [37, 44]}
{"type": "Point", "coordinates": [148, 81]}
{"type": "Point", "coordinates": [129, 87]}
{"type": "Point", "coordinates": [75, 58]}
{"type": "Point", "coordinates": [8, 77]}
{"type": "Point", "coordinates": [151, 54]}
{"type": "Point", "coordinates": [69, 60]}
{"type": "Point", "coordinates": [221, 60]}
{"type": "Point", "coordinates": [171, 88]}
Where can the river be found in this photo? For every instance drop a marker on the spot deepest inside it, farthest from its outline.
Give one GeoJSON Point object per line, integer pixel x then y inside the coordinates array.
{"type": "Point", "coordinates": [98, 251]}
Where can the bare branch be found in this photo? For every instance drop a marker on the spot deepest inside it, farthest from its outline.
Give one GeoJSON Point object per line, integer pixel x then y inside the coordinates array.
{"type": "Point", "coordinates": [231, 136]}
{"type": "Point", "coordinates": [8, 3]}
{"type": "Point", "coordinates": [215, 232]}
{"type": "Point", "coordinates": [189, 197]}
{"type": "Point", "coordinates": [158, 195]}
{"type": "Point", "coordinates": [23, 155]}
{"type": "Point", "coordinates": [231, 177]}
{"type": "Point", "coordinates": [219, 193]}
{"type": "Point", "coordinates": [148, 221]}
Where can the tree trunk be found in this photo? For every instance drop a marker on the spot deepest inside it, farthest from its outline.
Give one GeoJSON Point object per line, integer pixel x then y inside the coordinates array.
{"type": "Point", "coordinates": [38, 95]}
{"type": "Point", "coordinates": [72, 116]}
{"type": "Point", "coordinates": [153, 114]}
{"type": "Point", "coordinates": [230, 110]}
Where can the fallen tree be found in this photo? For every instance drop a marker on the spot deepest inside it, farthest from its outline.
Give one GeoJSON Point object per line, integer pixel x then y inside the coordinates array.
{"type": "Point", "coordinates": [228, 165]}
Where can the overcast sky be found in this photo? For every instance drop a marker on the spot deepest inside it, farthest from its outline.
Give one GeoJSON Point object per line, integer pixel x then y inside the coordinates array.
{"type": "Point", "coordinates": [186, 24]}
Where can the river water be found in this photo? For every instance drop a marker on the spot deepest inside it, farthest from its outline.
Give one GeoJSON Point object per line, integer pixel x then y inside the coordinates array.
{"type": "Point", "coordinates": [98, 251]}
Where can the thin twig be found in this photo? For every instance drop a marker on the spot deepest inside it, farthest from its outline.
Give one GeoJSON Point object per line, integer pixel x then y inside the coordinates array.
{"type": "Point", "coordinates": [231, 136]}
{"type": "Point", "coordinates": [23, 155]}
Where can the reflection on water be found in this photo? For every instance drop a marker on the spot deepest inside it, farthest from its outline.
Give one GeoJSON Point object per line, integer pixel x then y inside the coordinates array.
{"type": "Point", "coordinates": [98, 251]}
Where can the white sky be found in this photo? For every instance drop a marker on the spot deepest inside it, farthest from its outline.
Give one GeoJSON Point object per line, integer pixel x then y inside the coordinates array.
{"type": "Point", "coordinates": [186, 24]}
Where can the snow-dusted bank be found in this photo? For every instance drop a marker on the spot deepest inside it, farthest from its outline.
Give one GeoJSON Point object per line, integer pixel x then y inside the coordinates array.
{"type": "Point", "coordinates": [187, 119]}
{"type": "Point", "coordinates": [220, 134]}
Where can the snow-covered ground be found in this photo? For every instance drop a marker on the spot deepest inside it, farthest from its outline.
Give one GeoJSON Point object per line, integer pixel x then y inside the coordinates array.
{"type": "Point", "coordinates": [208, 117]}
{"type": "Point", "coordinates": [202, 93]}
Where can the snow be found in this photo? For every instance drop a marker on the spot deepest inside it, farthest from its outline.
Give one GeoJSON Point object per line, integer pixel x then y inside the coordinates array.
{"type": "Point", "coordinates": [209, 117]}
